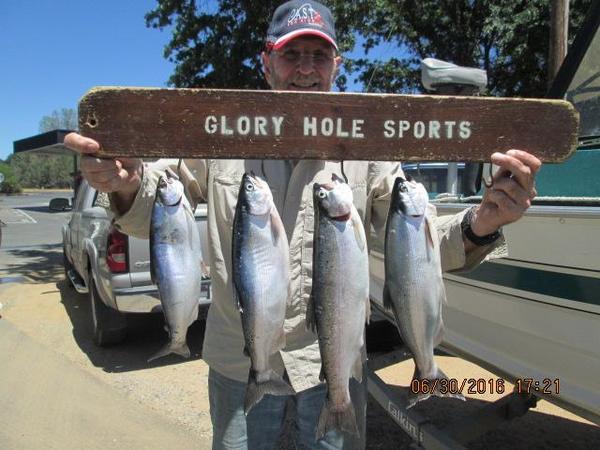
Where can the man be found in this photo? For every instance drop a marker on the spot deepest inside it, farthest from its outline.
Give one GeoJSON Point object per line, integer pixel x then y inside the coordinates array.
{"type": "Point", "coordinates": [300, 54]}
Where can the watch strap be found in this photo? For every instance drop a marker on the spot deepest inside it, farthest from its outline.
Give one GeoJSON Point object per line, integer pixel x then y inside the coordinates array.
{"type": "Point", "coordinates": [468, 231]}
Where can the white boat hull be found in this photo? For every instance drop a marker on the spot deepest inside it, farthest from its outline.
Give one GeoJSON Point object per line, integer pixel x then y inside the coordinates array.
{"type": "Point", "coordinates": [534, 316]}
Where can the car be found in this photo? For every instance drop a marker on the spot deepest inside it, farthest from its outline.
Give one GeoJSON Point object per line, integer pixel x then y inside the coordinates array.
{"type": "Point", "coordinates": [113, 269]}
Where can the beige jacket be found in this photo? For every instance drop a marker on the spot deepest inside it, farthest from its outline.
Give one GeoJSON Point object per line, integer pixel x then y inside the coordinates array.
{"type": "Point", "coordinates": [217, 181]}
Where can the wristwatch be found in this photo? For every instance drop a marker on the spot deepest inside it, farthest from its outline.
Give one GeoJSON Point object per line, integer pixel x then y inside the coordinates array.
{"type": "Point", "coordinates": [468, 232]}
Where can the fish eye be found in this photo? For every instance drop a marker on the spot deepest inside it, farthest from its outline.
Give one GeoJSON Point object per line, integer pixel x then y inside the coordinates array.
{"type": "Point", "coordinates": [249, 187]}
{"type": "Point", "coordinates": [322, 194]}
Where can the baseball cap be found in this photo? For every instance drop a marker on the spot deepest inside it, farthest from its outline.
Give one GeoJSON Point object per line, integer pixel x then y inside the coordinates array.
{"type": "Point", "coordinates": [300, 18]}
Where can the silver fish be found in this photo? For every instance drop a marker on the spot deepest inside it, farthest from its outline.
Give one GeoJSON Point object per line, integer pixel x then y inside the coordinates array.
{"type": "Point", "coordinates": [414, 288]}
{"type": "Point", "coordinates": [339, 303]}
{"type": "Point", "coordinates": [261, 283]}
{"type": "Point", "coordinates": [175, 262]}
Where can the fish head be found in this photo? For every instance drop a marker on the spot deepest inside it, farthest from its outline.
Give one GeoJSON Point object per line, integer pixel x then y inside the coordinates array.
{"type": "Point", "coordinates": [409, 197]}
{"type": "Point", "coordinates": [169, 189]}
{"type": "Point", "coordinates": [256, 195]}
{"type": "Point", "coordinates": [334, 198]}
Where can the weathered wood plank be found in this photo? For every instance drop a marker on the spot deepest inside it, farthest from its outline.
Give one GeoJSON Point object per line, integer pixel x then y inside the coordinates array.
{"type": "Point", "coordinates": [234, 124]}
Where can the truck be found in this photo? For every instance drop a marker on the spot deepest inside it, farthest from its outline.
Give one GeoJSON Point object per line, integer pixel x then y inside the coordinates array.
{"type": "Point", "coordinates": [112, 268]}
{"type": "Point", "coordinates": [532, 318]}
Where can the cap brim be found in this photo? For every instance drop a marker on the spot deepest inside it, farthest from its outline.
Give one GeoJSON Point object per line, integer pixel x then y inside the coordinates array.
{"type": "Point", "coordinates": [303, 32]}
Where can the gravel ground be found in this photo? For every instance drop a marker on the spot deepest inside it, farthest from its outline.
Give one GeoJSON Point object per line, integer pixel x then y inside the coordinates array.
{"type": "Point", "coordinates": [44, 307]}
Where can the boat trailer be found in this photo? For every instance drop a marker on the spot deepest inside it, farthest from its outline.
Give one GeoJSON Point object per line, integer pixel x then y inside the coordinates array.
{"type": "Point", "coordinates": [424, 433]}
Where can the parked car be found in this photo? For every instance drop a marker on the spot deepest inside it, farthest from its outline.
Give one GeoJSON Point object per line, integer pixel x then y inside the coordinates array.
{"type": "Point", "coordinates": [113, 269]}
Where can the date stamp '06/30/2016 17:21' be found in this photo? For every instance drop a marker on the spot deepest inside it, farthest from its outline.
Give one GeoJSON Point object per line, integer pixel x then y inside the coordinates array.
{"type": "Point", "coordinates": [482, 386]}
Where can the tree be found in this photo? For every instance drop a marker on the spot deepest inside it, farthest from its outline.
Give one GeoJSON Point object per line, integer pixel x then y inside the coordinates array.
{"type": "Point", "coordinates": [43, 171]}
{"type": "Point", "coordinates": [9, 185]}
{"type": "Point", "coordinates": [218, 47]}
{"type": "Point", "coordinates": [65, 119]}
{"type": "Point", "coordinates": [507, 38]}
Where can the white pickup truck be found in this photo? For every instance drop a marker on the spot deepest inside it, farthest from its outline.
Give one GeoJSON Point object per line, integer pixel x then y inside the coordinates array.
{"type": "Point", "coordinates": [113, 268]}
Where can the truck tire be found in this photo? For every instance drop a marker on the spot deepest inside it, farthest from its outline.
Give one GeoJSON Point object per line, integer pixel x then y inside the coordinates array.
{"type": "Point", "coordinates": [109, 325]}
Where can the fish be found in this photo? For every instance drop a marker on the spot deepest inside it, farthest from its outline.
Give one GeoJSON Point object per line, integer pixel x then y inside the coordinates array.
{"type": "Point", "coordinates": [175, 262]}
{"type": "Point", "coordinates": [261, 284]}
{"type": "Point", "coordinates": [414, 288]}
{"type": "Point", "coordinates": [338, 309]}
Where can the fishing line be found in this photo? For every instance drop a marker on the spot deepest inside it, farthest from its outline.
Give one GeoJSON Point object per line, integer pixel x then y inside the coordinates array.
{"type": "Point", "coordinates": [262, 169]}
{"type": "Point", "coordinates": [344, 173]}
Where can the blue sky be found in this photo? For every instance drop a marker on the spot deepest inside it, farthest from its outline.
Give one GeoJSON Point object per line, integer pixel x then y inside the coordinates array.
{"type": "Point", "coordinates": [53, 51]}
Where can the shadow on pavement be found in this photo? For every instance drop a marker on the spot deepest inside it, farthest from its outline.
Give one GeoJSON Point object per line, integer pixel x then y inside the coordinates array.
{"type": "Point", "coordinates": [42, 264]}
{"type": "Point", "coordinates": [43, 209]}
{"type": "Point", "coordinates": [145, 336]}
{"type": "Point", "coordinates": [533, 430]}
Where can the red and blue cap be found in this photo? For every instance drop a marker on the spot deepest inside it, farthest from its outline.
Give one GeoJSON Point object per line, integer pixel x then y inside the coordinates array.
{"type": "Point", "coordinates": [300, 18]}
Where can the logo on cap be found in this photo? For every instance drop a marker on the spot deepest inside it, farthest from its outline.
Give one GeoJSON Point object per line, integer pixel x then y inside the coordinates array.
{"type": "Point", "coordinates": [305, 14]}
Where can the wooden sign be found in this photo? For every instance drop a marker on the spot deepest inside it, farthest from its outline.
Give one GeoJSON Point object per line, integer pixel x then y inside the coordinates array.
{"type": "Point", "coordinates": [199, 123]}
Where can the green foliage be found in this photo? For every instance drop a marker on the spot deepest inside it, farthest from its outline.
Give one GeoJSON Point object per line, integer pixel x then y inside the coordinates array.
{"type": "Point", "coordinates": [507, 38]}
{"type": "Point", "coordinates": [10, 184]}
{"type": "Point", "coordinates": [219, 47]}
{"type": "Point", "coordinates": [47, 171]}
{"type": "Point", "coordinates": [42, 171]}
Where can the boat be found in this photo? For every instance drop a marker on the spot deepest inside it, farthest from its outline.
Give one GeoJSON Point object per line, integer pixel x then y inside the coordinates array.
{"type": "Point", "coordinates": [533, 317]}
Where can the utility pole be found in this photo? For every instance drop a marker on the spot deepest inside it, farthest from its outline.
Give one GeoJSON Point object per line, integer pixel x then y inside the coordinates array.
{"type": "Point", "coordinates": [559, 36]}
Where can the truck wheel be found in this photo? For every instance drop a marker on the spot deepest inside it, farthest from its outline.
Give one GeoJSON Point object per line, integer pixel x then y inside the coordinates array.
{"type": "Point", "coordinates": [109, 326]}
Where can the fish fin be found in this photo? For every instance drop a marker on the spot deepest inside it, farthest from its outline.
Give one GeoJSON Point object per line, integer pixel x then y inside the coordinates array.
{"type": "Point", "coordinates": [181, 350]}
{"type": "Point", "coordinates": [429, 230]}
{"type": "Point", "coordinates": [322, 376]}
{"type": "Point", "coordinates": [414, 398]}
{"type": "Point", "coordinates": [358, 231]}
{"type": "Point", "coordinates": [440, 331]}
{"type": "Point", "coordinates": [236, 299]}
{"type": "Point", "coordinates": [441, 375]}
{"type": "Point", "coordinates": [246, 352]}
{"type": "Point", "coordinates": [443, 295]}
{"type": "Point", "coordinates": [357, 369]}
{"type": "Point", "coordinates": [280, 342]}
{"type": "Point", "coordinates": [439, 336]}
{"type": "Point", "coordinates": [276, 225]}
{"type": "Point", "coordinates": [311, 319]}
{"type": "Point", "coordinates": [343, 420]}
{"type": "Point", "coordinates": [387, 298]}
{"type": "Point", "coordinates": [272, 384]}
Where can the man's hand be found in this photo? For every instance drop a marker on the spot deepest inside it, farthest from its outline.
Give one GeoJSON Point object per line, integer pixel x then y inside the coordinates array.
{"type": "Point", "coordinates": [121, 176]}
{"type": "Point", "coordinates": [513, 188]}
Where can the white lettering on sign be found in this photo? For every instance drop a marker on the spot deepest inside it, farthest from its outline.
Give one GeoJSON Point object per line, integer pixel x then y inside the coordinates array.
{"type": "Point", "coordinates": [419, 129]}
{"type": "Point", "coordinates": [432, 129]}
{"type": "Point", "coordinates": [246, 125]}
{"type": "Point", "coordinates": [243, 125]}
{"type": "Point", "coordinates": [329, 127]}
{"type": "Point", "coordinates": [464, 130]}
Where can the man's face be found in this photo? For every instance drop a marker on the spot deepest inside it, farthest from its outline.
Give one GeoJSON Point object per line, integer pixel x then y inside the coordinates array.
{"type": "Point", "coordinates": [307, 63]}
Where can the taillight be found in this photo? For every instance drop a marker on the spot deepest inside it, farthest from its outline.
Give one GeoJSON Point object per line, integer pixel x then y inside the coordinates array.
{"type": "Point", "coordinates": [116, 255]}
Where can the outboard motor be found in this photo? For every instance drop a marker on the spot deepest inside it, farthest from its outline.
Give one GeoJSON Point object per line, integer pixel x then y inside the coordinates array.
{"type": "Point", "coordinates": [444, 78]}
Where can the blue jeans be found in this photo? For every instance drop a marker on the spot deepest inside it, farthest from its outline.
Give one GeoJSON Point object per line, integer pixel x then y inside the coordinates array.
{"type": "Point", "coordinates": [261, 429]}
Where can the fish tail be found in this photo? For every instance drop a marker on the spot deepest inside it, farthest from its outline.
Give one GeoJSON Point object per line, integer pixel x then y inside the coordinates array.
{"type": "Point", "coordinates": [344, 420]}
{"type": "Point", "coordinates": [271, 383]}
{"type": "Point", "coordinates": [433, 387]}
{"type": "Point", "coordinates": [181, 349]}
